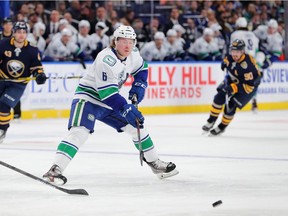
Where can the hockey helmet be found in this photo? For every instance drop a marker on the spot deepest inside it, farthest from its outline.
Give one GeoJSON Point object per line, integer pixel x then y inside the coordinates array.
{"type": "Point", "coordinates": [238, 45]}
{"type": "Point", "coordinates": [124, 32]}
{"type": "Point", "coordinates": [241, 22]}
{"type": "Point", "coordinates": [20, 25]}
{"type": "Point", "coordinates": [272, 23]}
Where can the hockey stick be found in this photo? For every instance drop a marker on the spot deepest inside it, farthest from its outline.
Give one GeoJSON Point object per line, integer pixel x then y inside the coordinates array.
{"type": "Point", "coordinates": [34, 78]}
{"type": "Point", "coordinates": [69, 191]}
{"type": "Point", "coordinates": [135, 103]}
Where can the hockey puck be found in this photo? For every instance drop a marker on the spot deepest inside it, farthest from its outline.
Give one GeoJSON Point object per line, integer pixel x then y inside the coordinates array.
{"type": "Point", "coordinates": [215, 204]}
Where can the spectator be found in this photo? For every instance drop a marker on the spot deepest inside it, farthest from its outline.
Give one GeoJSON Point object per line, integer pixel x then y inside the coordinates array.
{"type": "Point", "coordinates": [75, 9]}
{"type": "Point", "coordinates": [39, 10]}
{"type": "Point", "coordinates": [73, 27]}
{"type": "Point", "coordinates": [52, 27]}
{"type": "Point", "coordinates": [101, 16]}
{"type": "Point", "coordinates": [61, 7]}
{"type": "Point", "coordinates": [192, 32]}
{"type": "Point", "coordinates": [153, 27]}
{"type": "Point", "coordinates": [32, 19]}
{"type": "Point", "coordinates": [154, 50]}
{"type": "Point", "coordinates": [128, 18]}
{"type": "Point", "coordinates": [173, 19]}
{"type": "Point", "coordinates": [141, 34]}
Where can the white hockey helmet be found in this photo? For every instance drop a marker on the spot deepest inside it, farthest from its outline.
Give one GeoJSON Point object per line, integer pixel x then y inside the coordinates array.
{"type": "Point", "coordinates": [66, 32]}
{"type": "Point", "coordinates": [37, 27]}
{"type": "Point", "coordinates": [241, 22]}
{"type": "Point", "coordinates": [83, 23]}
{"type": "Point", "coordinates": [272, 23]}
{"type": "Point", "coordinates": [124, 32]}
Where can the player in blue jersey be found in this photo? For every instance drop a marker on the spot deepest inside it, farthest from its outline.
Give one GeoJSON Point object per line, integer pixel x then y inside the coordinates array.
{"type": "Point", "coordinates": [98, 98]}
{"type": "Point", "coordinates": [237, 89]}
{"type": "Point", "coordinates": [18, 60]}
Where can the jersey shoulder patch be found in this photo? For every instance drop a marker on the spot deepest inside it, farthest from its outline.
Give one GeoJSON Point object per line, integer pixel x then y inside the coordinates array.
{"type": "Point", "coordinates": [108, 59]}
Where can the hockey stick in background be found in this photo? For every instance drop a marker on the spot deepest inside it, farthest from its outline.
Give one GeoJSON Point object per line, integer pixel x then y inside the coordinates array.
{"type": "Point", "coordinates": [135, 103]}
{"type": "Point", "coordinates": [34, 78]}
{"type": "Point", "coordinates": [68, 191]}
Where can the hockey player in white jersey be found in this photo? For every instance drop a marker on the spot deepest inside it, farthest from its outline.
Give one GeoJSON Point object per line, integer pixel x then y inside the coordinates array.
{"type": "Point", "coordinates": [63, 49]}
{"type": "Point", "coordinates": [271, 42]}
{"type": "Point", "coordinates": [36, 38]}
{"type": "Point", "coordinates": [83, 39]}
{"type": "Point", "coordinates": [250, 39]}
{"type": "Point", "coordinates": [97, 97]}
{"type": "Point", "coordinates": [155, 50]}
{"type": "Point", "coordinates": [99, 40]}
{"type": "Point", "coordinates": [206, 47]}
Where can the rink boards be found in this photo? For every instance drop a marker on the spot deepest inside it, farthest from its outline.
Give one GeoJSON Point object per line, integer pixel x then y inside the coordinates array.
{"type": "Point", "coordinates": [174, 87]}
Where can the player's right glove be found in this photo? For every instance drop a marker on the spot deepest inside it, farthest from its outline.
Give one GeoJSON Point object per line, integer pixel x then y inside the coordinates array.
{"type": "Point", "coordinates": [230, 89]}
{"type": "Point", "coordinates": [130, 113]}
{"type": "Point", "coordinates": [40, 78]}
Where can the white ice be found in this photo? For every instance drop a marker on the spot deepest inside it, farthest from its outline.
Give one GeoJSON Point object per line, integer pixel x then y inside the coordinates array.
{"type": "Point", "coordinates": [246, 168]}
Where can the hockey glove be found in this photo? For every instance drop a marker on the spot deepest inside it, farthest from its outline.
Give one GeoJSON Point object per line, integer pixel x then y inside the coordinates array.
{"type": "Point", "coordinates": [40, 78]}
{"type": "Point", "coordinates": [130, 113]}
{"type": "Point", "coordinates": [138, 89]}
{"type": "Point", "coordinates": [230, 89]}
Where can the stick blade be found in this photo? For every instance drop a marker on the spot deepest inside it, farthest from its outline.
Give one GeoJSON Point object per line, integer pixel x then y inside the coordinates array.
{"type": "Point", "coordinates": [75, 191]}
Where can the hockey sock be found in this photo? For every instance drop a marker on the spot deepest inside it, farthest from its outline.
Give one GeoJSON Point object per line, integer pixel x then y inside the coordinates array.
{"type": "Point", "coordinates": [150, 152]}
{"type": "Point", "coordinates": [69, 146]}
{"type": "Point", "coordinates": [215, 110]}
{"type": "Point", "coordinates": [226, 119]}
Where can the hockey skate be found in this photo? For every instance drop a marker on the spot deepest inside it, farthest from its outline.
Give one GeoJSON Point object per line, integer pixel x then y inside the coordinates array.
{"type": "Point", "coordinates": [2, 135]}
{"type": "Point", "coordinates": [54, 175]}
{"type": "Point", "coordinates": [216, 131]}
{"type": "Point", "coordinates": [207, 127]}
{"type": "Point", "coordinates": [162, 169]}
{"type": "Point", "coordinates": [254, 106]}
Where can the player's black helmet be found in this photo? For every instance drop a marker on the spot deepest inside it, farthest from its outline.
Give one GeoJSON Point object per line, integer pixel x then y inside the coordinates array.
{"type": "Point", "coordinates": [237, 45]}
{"type": "Point", "coordinates": [20, 25]}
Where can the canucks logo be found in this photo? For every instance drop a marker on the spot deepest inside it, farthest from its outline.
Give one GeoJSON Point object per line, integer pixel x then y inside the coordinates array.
{"type": "Point", "coordinates": [15, 68]}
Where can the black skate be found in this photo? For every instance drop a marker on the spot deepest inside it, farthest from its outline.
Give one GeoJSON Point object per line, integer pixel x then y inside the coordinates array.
{"type": "Point", "coordinates": [162, 169]}
{"type": "Point", "coordinates": [254, 106]}
{"type": "Point", "coordinates": [2, 135]}
{"type": "Point", "coordinates": [54, 175]}
{"type": "Point", "coordinates": [216, 131]}
{"type": "Point", "coordinates": [207, 127]}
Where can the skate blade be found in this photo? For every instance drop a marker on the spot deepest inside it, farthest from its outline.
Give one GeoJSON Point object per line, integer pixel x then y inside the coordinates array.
{"type": "Point", "coordinates": [167, 175]}
{"type": "Point", "coordinates": [54, 181]}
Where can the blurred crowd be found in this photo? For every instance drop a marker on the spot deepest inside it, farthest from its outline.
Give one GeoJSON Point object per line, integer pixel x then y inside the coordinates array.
{"type": "Point", "coordinates": [166, 30]}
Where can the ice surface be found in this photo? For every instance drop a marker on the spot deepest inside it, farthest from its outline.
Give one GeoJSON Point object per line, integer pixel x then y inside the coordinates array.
{"type": "Point", "coordinates": [246, 168]}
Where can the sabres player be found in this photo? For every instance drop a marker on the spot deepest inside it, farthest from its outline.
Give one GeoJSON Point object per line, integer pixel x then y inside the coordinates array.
{"type": "Point", "coordinates": [237, 89]}
{"type": "Point", "coordinates": [97, 98]}
{"type": "Point", "coordinates": [18, 60]}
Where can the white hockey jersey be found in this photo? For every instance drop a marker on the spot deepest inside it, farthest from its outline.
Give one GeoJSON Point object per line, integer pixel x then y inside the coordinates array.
{"type": "Point", "coordinates": [250, 39]}
{"type": "Point", "coordinates": [85, 42]}
{"type": "Point", "coordinates": [59, 51]}
{"type": "Point", "coordinates": [107, 74]}
{"type": "Point", "coordinates": [201, 48]}
{"type": "Point", "coordinates": [94, 39]}
{"type": "Point", "coordinates": [272, 42]}
{"type": "Point", "coordinates": [150, 52]}
{"type": "Point", "coordinates": [40, 43]}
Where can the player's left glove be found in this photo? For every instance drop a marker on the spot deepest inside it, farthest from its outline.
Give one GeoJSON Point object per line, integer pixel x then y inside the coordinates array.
{"type": "Point", "coordinates": [130, 113]}
{"type": "Point", "coordinates": [40, 78]}
{"type": "Point", "coordinates": [138, 89]}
